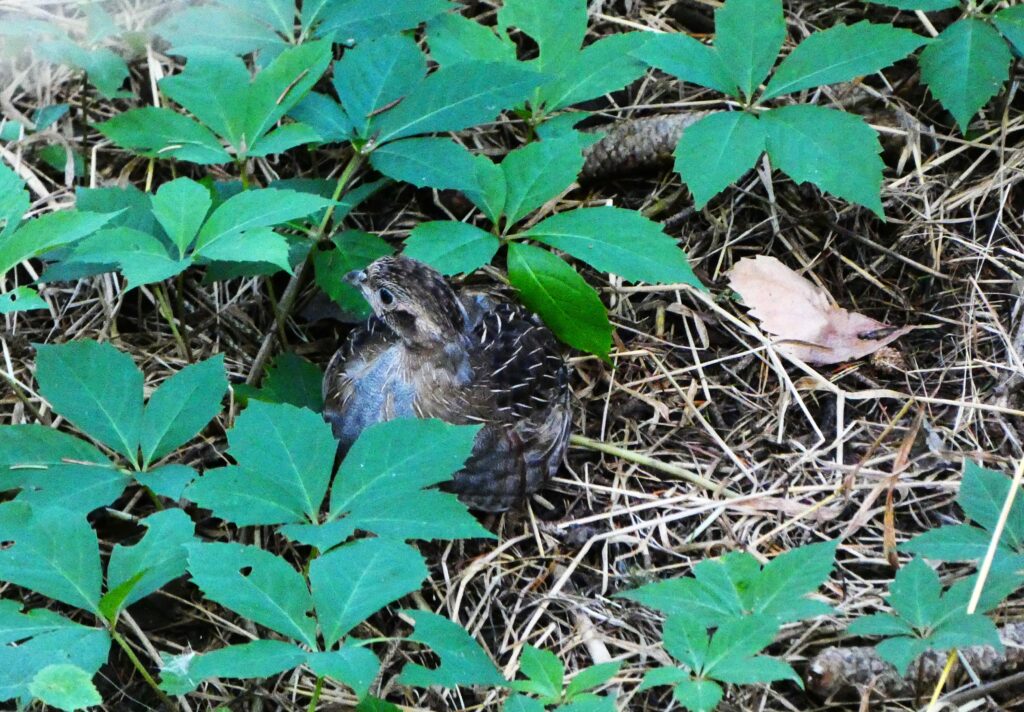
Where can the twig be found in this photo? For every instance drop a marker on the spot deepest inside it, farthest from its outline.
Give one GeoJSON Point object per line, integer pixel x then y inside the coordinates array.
{"type": "Point", "coordinates": [291, 291]}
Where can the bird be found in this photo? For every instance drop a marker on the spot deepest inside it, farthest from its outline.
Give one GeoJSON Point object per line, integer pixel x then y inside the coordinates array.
{"type": "Point", "coordinates": [428, 351]}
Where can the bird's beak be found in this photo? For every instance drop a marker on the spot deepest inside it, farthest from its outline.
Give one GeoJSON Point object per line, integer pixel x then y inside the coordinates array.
{"type": "Point", "coordinates": [356, 278]}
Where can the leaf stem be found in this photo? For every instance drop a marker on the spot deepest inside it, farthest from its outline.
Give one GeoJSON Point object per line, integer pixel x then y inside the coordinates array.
{"type": "Point", "coordinates": [164, 304]}
{"type": "Point", "coordinates": [316, 694]}
{"type": "Point", "coordinates": [116, 637]}
{"type": "Point", "coordinates": [291, 291]}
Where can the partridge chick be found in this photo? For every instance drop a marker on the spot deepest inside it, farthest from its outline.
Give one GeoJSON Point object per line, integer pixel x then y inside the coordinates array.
{"type": "Point", "coordinates": [428, 352]}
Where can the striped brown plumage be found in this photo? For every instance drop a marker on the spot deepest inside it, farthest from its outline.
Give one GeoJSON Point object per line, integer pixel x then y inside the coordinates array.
{"type": "Point", "coordinates": [470, 357]}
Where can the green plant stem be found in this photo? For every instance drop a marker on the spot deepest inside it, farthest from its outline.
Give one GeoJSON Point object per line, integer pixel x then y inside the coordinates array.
{"type": "Point", "coordinates": [116, 637]}
{"type": "Point", "coordinates": [316, 694]}
{"type": "Point", "coordinates": [164, 305]}
{"type": "Point", "coordinates": [278, 317]}
{"type": "Point", "coordinates": [291, 292]}
{"type": "Point", "coordinates": [646, 461]}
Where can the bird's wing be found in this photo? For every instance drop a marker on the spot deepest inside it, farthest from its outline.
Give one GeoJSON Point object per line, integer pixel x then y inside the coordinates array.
{"type": "Point", "coordinates": [517, 364]}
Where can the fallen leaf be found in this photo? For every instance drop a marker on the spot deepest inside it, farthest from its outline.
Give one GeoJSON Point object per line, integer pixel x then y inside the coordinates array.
{"type": "Point", "coordinates": [808, 324]}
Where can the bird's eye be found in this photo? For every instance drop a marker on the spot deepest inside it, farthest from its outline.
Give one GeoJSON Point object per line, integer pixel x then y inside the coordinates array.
{"type": "Point", "coordinates": [385, 296]}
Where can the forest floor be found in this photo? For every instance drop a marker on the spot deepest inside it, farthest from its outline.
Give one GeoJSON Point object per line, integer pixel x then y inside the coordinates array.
{"type": "Point", "coordinates": [868, 452]}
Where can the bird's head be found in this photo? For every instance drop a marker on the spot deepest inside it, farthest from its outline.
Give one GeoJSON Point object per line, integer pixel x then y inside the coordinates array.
{"type": "Point", "coordinates": [413, 299]}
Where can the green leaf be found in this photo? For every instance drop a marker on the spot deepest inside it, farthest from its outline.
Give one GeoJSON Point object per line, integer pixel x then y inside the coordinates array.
{"type": "Point", "coordinates": [805, 141]}
{"type": "Point", "coordinates": [617, 240]}
{"type": "Point", "coordinates": [592, 677]}
{"type": "Point", "coordinates": [104, 400]}
{"type": "Point", "coordinates": [1010, 22]}
{"type": "Point", "coordinates": [372, 704]}
{"type": "Point", "coordinates": [463, 661]}
{"type": "Point", "coordinates": [566, 303]}
{"type": "Point", "coordinates": [522, 703]}
{"type": "Point", "coordinates": [168, 480]}
{"type": "Point", "coordinates": [358, 579]}
{"type": "Point", "coordinates": [748, 37]}
{"type": "Point", "coordinates": [158, 132]}
{"type": "Point", "coordinates": [656, 677]}
{"type": "Point", "coordinates": [689, 60]}
{"type": "Point", "coordinates": [142, 258]}
{"type": "Point", "coordinates": [43, 638]}
{"type": "Point", "coordinates": [734, 585]}
{"type": "Point", "coordinates": [48, 481]}
{"type": "Point", "coordinates": [451, 247]}
{"type": "Point", "coordinates": [284, 138]}
{"type": "Point", "coordinates": [454, 39]}
{"type": "Point", "coordinates": [879, 624]}
{"type": "Point", "coordinates": [732, 653]}
{"type": "Point", "coordinates": [261, 247]}
{"type": "Point", "coordinates": [254, 209]}
{"type": "Point", "coordinates": [455, 98]}
{"type": "Point", "coordinates": [443, 164]}
{"type": "Point", "coordinates": [982, 495]}
{"type": "Point", "coordinates": [698, 695]}
{"type": "Point", "coordinates": [285, 456]}
{"type": "Point", "coordinates": [256, 584]}
{"type": "Point", "coordinates": [588, 703]}
{"type": "Point", "coordinates": [53, 553]}
{"type": "Point", "coordinates": [841, 53]}
{"type": "Point", "coordinates": [356, 667]}
{"type": "Point", "coordinates": [915, 594]}
{"type": "Point", "coordinates": [380, 482]}
{"type": "Point", "coordinates": [965, 66]}
{"type": "Point", "coordinates": [216, 88]}
{"type": "Point", "coordinates": [182, 674]}
{"type": "Point", "coordinates": [964, 631]}
{"type": "Point", "coordinates": [538, 172]}
{"type": "Point", "coordinates": [557, 26]}
{"type": "Point", "coordinates": [352, 250]}
{"type": "Point", "coordinates": [598, 69]}
{"type": "Point", "coordinates": [16, 625]}
{"type": "Point", "coordinates": [751, 670]}
{"type": "Point", "coordinates": [21, 299]}
{"type": "Point", "coordinates": [14, 202]}
{"type": "Point", "coordinates": [325, 116]}
{"type": "Point", "coordinates": [1004, 578]}
{"type": "Point", "coordinates": [66, 687]}
{"type": "Point", "coordinates": [112, 602]}
{"type": "Point", "coordinates": [157, 558]}
{"type": "Point", "coordinates": [355, 21]}
{"type": "Point", "coordinates": [716, 151]}
{"type": "Point", "coordinates": [958, 542]}
{"type": "Point", "coordinates": [901, 651]}
{"type": "Point", "coordinates": [181, 407]}
{"type": "Point", "coordinates": [290, 379]}
{"type": "Point", "coordinates": [687, 641]}
{"type": "Point", "coordinates": [376, 74]}
{"type": "Point", "coordinates": [181, 207]}
{"type": "Point", "coordinates": [544, 671]}
{"type": "Point", "coordinates": [923, 5]}
{"type": "Point", "coordinates": [46, 232]}
{"type": "Point", "coordinates": [195, 29]}
{"type": "Point", "coordinates": [105, 69]}
{"type": "Point", "coordinates": [131, 206]}
{"type": "Point", "coordinates": [794, 573]}
{"type": "Point", "coordinates": [47, 116]}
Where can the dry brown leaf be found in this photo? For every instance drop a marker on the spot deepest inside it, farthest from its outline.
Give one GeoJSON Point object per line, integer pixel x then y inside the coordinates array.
{"type": "Point", "coordinates": [808, 324]}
